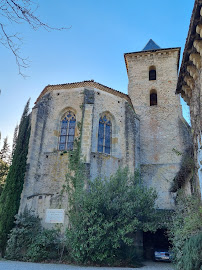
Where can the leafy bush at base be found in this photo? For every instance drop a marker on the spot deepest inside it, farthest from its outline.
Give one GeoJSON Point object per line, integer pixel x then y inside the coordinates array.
{"type": "Point", "coordinates": [28, 241]}
{"type": "Point", "coordinates": [46, 246]}
{"type": "Point", "coordinates": [192, 253]}
{"type": "Point", "coordinates": [105, 216]}
{"type": "Point", "coordinates": [186, 233]}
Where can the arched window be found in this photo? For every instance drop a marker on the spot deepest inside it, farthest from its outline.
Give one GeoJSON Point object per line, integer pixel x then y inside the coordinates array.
{"type": "Point", "coordinates": [152, 73]}
{"type": "Point", "coordinates": [104, 135]}
{"type": "Point", "coordinates": [67, 132]}
{"type": "Point", "coordinates": [153, 97]}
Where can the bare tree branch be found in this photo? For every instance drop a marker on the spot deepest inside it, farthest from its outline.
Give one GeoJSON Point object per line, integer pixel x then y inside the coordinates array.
{"type": "Point", "coordinates": [18, 12]}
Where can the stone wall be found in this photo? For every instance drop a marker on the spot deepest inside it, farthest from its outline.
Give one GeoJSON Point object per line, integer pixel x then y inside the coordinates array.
{"type": "Point", "coordinates": [196, 123]}
{"type": "Point", "coordinates": [47, 166]}
{"type": "Point", "coordinates": [125, 132]}
{"type": "Point", "coordinates": [160, 129]}
{"type": "Point", "coordinates": [190, 86]}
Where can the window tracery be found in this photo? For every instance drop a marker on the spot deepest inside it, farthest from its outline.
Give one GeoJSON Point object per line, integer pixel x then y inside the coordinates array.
{"type": "Point", "coordinates": [104, 135]}
{"type": "Point", "coordinates": [67, 131]}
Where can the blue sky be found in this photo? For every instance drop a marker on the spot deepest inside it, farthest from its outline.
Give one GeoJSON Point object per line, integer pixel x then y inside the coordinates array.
{"type": "Point", "coordinates": [101, 32]}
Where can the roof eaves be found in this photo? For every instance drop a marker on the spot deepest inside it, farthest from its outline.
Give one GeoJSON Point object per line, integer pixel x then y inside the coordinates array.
{"type": "Point", "coordinates": [148, 51]}
{"type": "Point", "coordinates": [189, 42]}
{"type": "Point", "coordinates": [90, 83]}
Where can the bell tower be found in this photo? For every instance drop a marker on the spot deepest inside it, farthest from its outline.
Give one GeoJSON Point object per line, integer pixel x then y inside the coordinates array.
{"type": "Point", "coordinates": [152, 75]}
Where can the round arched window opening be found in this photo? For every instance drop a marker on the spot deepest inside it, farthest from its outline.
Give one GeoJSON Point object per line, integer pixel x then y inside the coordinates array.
{"type": "Point", "coordinates": [152, 73]}
{"type": "Point", "coordinates": [153, 98]}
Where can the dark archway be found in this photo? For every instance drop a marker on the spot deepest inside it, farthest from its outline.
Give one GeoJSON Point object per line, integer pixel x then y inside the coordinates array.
{"type": "Point", "coordinates": [153, 241]}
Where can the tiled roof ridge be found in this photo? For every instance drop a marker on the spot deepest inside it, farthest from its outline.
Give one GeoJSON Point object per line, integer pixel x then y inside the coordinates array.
{"type": "Point", "coordinates": [90, 83]}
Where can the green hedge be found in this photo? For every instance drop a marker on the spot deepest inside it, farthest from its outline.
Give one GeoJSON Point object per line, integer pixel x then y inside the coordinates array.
{"type": "Point", "coordinates": [29, 241]}
{"type": "Point", "coordinates": [192, 253]}
{"type": "Point", "coordinates": [185, 233]}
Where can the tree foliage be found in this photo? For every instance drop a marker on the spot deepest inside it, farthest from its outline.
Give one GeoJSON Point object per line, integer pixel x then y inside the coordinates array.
{"type": "Point", "coordinates": [186, 233]}
{"type": "Point", "coordinates": [105, 214]}
{"type": "Point", "coordinates": [5, 151]}
{"type": "Point", "coordinates": [4, 163]}
{"type": "Point", "coordinates": [4, 167]}
{"type": "Point", "coordinates": [15, 137]}
{"type": "Point", "coordinates": [29, 241]}
{"type": "Point", "coordinates": [10, 197]}
{"type": "Point", "coordinates": [192, 253]}
{"type": "Point", "coordinates": [104, 217]}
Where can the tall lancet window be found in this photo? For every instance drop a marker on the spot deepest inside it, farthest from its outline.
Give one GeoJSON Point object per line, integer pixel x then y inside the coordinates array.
{"type": "Point", "coordinates": [104, 135]}
{"type": "Point", "coordinates": [67, 132]}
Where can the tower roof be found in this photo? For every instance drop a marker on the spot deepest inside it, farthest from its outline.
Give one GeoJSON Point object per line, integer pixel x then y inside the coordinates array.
{"type": "Point", "coordinates": [151, 45]}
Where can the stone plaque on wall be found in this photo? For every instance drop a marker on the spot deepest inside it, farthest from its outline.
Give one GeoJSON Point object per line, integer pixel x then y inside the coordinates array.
{"type": "Point", "coordinates": [55, 215]}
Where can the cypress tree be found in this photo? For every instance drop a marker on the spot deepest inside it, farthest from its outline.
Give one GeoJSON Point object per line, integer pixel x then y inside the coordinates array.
{"type": "Point", "coordinates": [4, 163]}
{"type": "Point", "coordinates": [15, 137]}
{"type": "Point", "coordinates": [4, 167]}
{"type": "Point", "coordinates": [10, 197]}
{"type": "Point", "coordinates": [5, 151]}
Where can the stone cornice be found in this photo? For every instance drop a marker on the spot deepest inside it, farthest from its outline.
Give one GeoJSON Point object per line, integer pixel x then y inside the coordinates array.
{"type": "Point", "coordinates": [150, 52]}
{"type": "Point", "coordinates": [191, 61]}
{"type": "Point", "coordinates": [92, 84]}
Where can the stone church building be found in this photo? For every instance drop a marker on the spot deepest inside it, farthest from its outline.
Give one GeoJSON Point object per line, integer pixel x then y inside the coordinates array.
{"type": "Point", "coordinates": [141, 130]}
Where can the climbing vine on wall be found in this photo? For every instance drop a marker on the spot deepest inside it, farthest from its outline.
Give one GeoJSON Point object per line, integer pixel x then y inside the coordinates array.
{"type": "Point", "coordinates": [76, 176]}
{"type": "Point", "coordinates": [104, 214]}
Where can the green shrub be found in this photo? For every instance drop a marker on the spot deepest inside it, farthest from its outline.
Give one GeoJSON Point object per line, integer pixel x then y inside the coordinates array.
{"type": "Point", "coordinates": [185, 232]}
{"type": "Point", "coordinates": [29, 241]}
{"type": "Point", "coordinates": [192, 253]}
{"type": "Point", "coordinates": [46, 246]}
{"type": "Point", "coordinates": [22, 235]}
{"type": "Point", "coordinates": [105, 215]}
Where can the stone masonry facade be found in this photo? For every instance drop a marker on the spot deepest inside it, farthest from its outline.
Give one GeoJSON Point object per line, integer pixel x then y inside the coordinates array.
{"type": "Point", "coordinates": [161, 126]}
{"type": "Point", "coordinates": [189, 85]}
{"type": "Point", "coordinates": [142, 137]}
